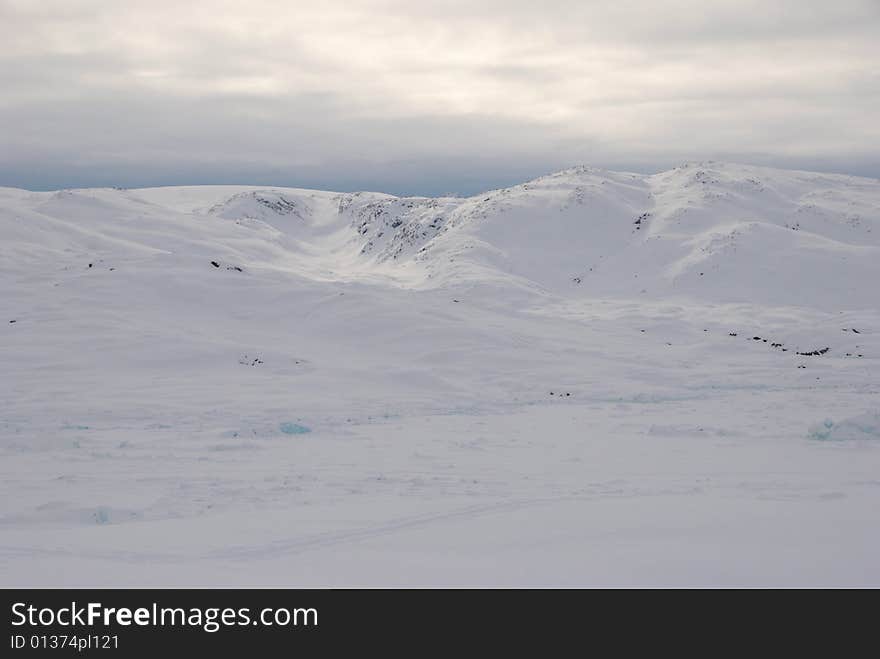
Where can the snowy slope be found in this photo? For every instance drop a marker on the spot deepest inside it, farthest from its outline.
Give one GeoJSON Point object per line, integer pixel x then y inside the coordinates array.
{"type": "Point", "coordinates": [723, 233]}
{"type": "Point", "coordinates": [592, 377]}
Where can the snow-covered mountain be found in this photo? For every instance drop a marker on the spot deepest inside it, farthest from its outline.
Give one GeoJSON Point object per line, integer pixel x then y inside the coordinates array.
{"type": "Point", "coordinates": [711, 231]}
{"type": "Point", "coordinates": [592, 377]}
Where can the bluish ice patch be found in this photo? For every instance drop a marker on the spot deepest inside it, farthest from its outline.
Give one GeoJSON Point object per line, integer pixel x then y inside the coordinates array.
{"type": "Point", "coordinates": [862, 427]}
{"type": "Point", "coordinates": [289, 428]}
{"type": "Point", "coordinates": [822, 431]}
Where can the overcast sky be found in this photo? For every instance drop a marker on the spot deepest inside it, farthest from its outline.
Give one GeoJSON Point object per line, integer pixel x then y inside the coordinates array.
{"type": "Point", "coordinates": [429, 97]}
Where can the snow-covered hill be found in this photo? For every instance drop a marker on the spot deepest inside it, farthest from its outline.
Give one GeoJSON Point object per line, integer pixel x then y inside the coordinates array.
{"type": "Point", "coordinates": [709, 231]}
{"type": "Point", "coordinates": [592, 377]}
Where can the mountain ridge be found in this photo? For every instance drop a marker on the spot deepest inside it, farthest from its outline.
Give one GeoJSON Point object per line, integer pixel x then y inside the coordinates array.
{"type": "Point", "coordinates": [579, 231]}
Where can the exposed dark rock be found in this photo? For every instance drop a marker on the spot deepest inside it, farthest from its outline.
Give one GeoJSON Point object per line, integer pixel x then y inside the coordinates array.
{"type": "Point", "coordinates": [813, 353]}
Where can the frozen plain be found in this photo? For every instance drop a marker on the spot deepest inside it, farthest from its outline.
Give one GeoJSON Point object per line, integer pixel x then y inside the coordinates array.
{"type": "Point", "coordinates": [592, 378]}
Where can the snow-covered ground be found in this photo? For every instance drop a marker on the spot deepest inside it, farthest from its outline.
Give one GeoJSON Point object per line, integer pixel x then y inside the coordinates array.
{"type": "Point", "coordinates": [590, 378]}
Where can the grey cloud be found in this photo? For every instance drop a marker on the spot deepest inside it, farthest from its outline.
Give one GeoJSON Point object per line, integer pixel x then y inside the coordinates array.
{"type": "Point", "coordinates": [428, 97]}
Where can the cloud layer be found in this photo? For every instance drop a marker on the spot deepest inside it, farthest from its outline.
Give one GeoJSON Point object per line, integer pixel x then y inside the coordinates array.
{"type": "Point", "coordinates": [428, 97]}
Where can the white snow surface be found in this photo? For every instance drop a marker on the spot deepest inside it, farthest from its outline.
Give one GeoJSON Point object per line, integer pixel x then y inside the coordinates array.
{"type": "Point", "coordinates": [593, 378]}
